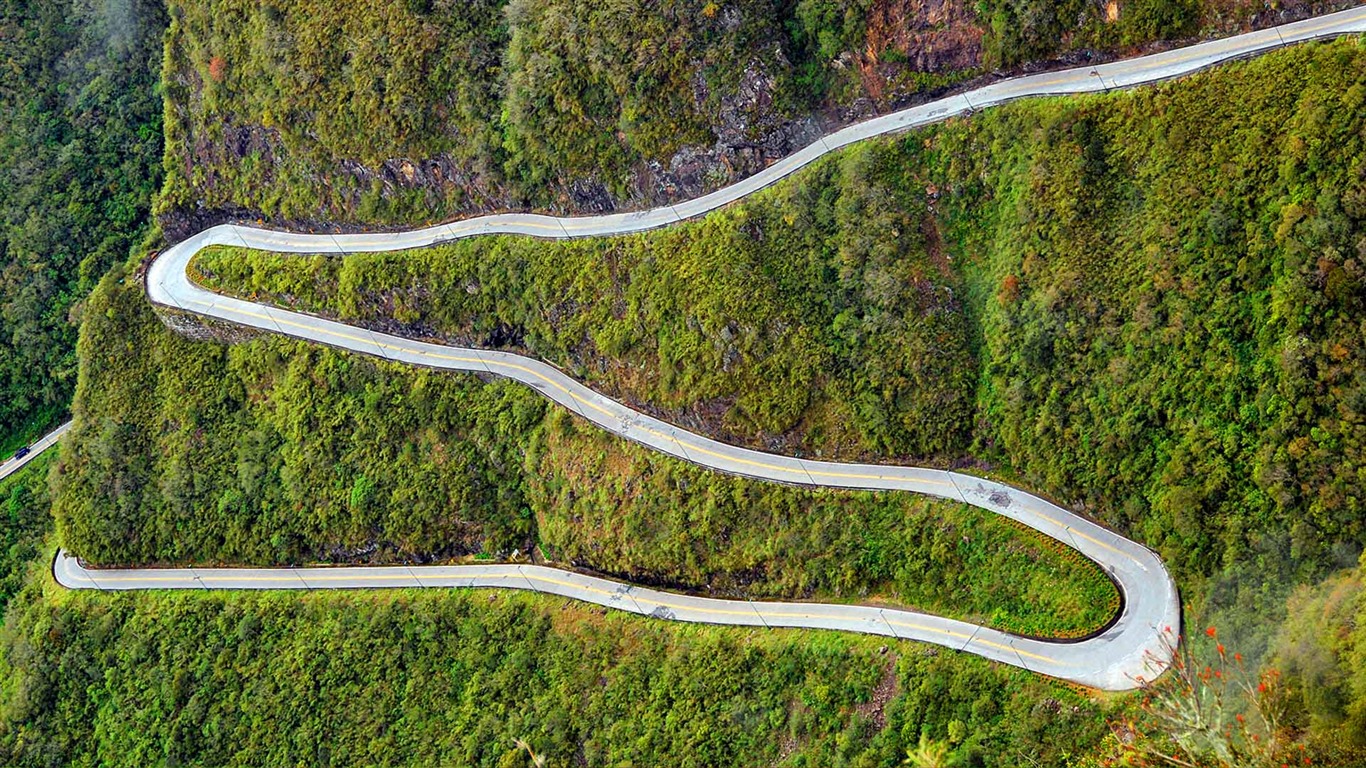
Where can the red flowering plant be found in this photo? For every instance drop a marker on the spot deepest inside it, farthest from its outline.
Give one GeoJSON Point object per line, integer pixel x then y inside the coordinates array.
{"type": "Point", "coordinates": [1207, 711]}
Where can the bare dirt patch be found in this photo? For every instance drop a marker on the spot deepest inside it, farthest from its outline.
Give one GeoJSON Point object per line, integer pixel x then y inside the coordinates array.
{"type": "Point", "coordinates": [875, 708]}
{"type": "Point", "coordinates": [934, 245]}
{"type": "Point", "coordinates": [920, 36]}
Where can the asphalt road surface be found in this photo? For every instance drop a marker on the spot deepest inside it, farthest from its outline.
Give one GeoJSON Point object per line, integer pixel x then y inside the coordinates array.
{"type": "Point", "coordinates": [1137, 646]}
{"type": "Point", "coordinates": [11, 465]}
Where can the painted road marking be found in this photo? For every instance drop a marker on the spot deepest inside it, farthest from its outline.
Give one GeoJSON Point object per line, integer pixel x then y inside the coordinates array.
{"type": "Point", "coordinates": [288, 579]}
{"type": "Point", "coordinates": [1173, 63]}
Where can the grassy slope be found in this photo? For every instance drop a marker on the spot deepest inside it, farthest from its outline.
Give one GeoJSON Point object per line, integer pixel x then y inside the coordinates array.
{"type": "Point", "coordinates": [52, 638]}
{"type": "Point", "coordinates": [508, 97]}
{"type": "Point", "coordinates": [820, 315]}
{"type": "Point", "coordinates": [88, 678]}
{"type": "Point", "coordinates": [24, 522]}
{"type": "Point", "coordinates": [404, 678]}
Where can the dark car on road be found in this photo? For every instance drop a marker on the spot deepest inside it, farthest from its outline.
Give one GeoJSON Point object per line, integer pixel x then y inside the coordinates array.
{"type": "Point", "coordinates": [21, 453]}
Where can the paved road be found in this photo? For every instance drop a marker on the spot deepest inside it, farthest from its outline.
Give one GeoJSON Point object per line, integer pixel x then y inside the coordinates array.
{"type": "Point", "coordinates": [1135, 646]}
{"type": "Point", "coordinates": [10, 466]}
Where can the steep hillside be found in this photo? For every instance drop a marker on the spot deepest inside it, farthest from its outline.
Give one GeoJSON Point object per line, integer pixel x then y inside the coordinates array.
{"type": "Point", "coordinates": [272, 451]}
{"type": "Point", "coordinates": [389, 113]}
{"type": "Point", "coordinates": [438, 678]}
{"type": "Point", "coordinates": [1150, 303]}
{"type": "Point", "coordinates": [1321, 650]}
{"type": "Point", "coordinates": [26, 518]}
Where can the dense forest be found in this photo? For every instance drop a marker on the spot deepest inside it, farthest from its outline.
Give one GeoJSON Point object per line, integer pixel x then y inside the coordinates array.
{"type": "Point", "coordinates": [854, 342]}
{"type": "Point", "coordinates": [1322, 652]}
{"type": "Point", "coordinates": [24, 523]}
{"type": "Point", "coordinates": [80, 145]}
{"type": "Point", "coordinates": [1162, 292]}
{"type": "Point", "coordinates": [382, 112]}
{"type": "Point", "coordinates": [452, 678]}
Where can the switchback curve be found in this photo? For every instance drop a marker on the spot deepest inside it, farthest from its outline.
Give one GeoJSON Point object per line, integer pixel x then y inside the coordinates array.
{"type": "Point", "coordinates": [1137, 646]}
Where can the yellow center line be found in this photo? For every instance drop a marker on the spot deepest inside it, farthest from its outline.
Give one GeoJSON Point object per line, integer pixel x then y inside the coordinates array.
{"type": "Point", "coordinates": [980, 641]}
{"type": "Point", "coordinates": [800, 471]}
{"type": "Point", "coordinates": [288, 581]}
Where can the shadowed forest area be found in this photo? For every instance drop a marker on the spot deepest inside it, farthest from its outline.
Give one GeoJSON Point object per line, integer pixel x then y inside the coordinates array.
{"type": "Point", "coordinates": [80, 141]}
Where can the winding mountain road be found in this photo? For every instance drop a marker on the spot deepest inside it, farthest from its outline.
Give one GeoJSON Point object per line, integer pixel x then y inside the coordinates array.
{"type": "Point", "coordinates": [1136, 646]}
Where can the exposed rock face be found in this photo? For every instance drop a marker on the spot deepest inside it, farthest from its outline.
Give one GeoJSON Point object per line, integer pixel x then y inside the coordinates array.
{"type": "Point", "coordinates": [200, 328]}
{"type": "Point", "coordinates": [918, 36]}
{"type": "Point", "coordinates": [749, 135]}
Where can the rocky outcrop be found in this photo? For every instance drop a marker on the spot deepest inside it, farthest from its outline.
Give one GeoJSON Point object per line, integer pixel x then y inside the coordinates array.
{"type": "Point", "coordinates": [910, 36]}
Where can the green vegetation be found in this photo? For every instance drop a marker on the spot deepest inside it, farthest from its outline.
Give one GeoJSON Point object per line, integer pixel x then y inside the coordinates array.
{"type": "Point", "coordinates": [80, 137]}
{"type": "Point", "coordinates": [503, 103]}
{"type": "Point", "coordinates": [1175, 391]}
{"type": "Point", "coordinates": [1163, 292]}
{"type": "Point", "coordinates": [1023, 30]}
{"type": "Point", "coordinates": [853, 341]}
{"type": "Point", "coordinates": [1172, 307]}
{"type": "Point", "coordinates": [432, 678]}
{"type": "Point", "coordinates": [1164, 297]}
{"type": "Point", "coordinates": [683, 526]}
{"type": "Point", "coordinates": [1147, 305]}
{"type": "Point", "coordinates": [381, 112]}
{"type": "Point", "coordinates": [24, 522]}
{"type": "Point", "coordinates": [276, 451]}
{"type": "Point", "coordinates": [1213, 710]}
{"type": "Point", "coordinates": [1159, 319]}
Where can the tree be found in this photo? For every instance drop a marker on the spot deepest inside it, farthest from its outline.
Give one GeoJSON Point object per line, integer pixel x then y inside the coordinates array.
{"type": "Point", "coordinates": [930, 754]}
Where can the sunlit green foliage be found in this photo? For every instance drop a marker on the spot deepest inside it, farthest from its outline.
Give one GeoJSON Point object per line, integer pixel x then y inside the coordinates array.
{"type": "Point", "coordinates": [820, 314]}
{"type": "Point", "coordinates": [682, 526]}
{"type": "Point", "coordinates": [1163, 289]}
{"type": "Point", "coordinates": [403, 112]}
{"type": "Point", "coordinates": [433, 678]}
{"type": "Point", "coordinates": [278, 451]}
{"type": "Point", "coordinates": [1155, 341]}
{"type": "Point", "coordinates": [1172, 303]}
{"type": "Point", "coordinates": [508, 102]}
{"type": "Point", "coordinates": [1158, 298]}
